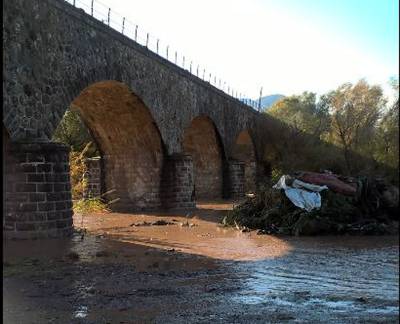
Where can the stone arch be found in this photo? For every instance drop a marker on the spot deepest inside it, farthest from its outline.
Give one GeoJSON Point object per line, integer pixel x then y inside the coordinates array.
{"type": "Point", "coordinates": [129, 141]}
{"type": "Point", "coordinates": [244, 151]}
{"type": "Point", "coordinates": [202, 142]}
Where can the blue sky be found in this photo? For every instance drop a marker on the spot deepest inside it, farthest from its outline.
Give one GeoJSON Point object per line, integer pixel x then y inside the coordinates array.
{"type": "Point", "coordinates": [373, 24]}
{"type": "Point", "coordinates": [284, 46]}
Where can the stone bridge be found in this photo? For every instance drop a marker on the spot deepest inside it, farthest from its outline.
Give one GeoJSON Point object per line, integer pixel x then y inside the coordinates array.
{"type": "Point", "coordinates": [166, 137]}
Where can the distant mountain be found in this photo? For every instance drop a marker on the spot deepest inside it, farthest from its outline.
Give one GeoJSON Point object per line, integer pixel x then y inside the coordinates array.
{"type": "Point", "coordinates": [268, 101]}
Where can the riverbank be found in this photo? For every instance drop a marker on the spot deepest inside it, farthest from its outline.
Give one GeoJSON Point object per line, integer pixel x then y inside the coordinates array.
{"type": "Point", "coordinates": [124, 270]}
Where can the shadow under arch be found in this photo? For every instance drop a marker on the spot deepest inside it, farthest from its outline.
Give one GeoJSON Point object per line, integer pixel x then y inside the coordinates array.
{"type": "Point", "coordinates": [244, 151]}
{"type": "Point", "coordinates": [129, 141]}
{"type": "Point", "coordinates": [202, 141]}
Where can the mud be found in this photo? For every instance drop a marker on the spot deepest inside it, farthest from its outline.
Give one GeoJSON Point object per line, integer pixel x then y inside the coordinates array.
{"type": "Point", "coordinates": [111, 272]}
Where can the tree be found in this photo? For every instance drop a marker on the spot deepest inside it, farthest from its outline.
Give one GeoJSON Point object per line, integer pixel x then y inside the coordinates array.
{"type": "Point", "coordinates": [297, 143]}
{"type": "Point", "coordinates": [303, 114]}
{"type": "Point", "coordinates": [73, 132]}
{"type": "Point", "coordinates": [387, 139]}
{"type": "Point", "coordinates": [355, 112]}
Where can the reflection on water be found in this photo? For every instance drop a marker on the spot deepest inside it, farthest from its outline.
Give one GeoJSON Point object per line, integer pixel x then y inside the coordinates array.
{"type": "Point", "coordinates": [341, 274]}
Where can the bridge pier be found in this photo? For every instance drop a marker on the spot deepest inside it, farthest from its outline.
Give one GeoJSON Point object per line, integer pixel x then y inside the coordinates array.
{"type": "Point", "coordinates": [250, 174]}
{"type": "Point", "coordinates": [236, 179]}
{"type": "Point", "coordinates": [177, 183]}
{"type": "Point", "coordinates": [37, 191]}
{"type": "Point", "coordinates": [93, 177]}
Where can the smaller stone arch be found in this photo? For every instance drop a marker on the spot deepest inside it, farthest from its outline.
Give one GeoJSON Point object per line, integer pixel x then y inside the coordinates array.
{"type": "Point", "coordinates": [244, 151]}
{"type": "Point", "coordinates": [202, 142]}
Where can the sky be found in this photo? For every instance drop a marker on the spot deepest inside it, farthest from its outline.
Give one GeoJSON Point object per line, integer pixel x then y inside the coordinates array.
{"type": "Point", "coordinates": [283, 46]}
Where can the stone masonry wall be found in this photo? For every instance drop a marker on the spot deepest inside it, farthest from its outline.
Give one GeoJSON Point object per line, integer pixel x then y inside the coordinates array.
{"type": "Point", "coordinates": [177, 184]}
{"type": "Point", "coordinates": [93, 177]}
{"type": "Point", "coordinates": [250, 173]}
{"type": "Point", "coordinates": [53, 51]}
{"type": "Point", "coordinates": [236, 179]}
{"type": "Point", "coordinates": [37, 191]}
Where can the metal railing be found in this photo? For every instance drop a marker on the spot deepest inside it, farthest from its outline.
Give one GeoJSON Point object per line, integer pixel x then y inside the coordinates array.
{"type": "Point", "coordinates": [131, 30]}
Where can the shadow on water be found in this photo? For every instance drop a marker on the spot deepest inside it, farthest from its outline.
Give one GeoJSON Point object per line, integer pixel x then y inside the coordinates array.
{"type": "Point", "coordinates": [204, 273]}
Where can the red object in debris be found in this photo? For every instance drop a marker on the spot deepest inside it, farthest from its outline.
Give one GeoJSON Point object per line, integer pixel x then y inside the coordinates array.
{"type": "Point", "coordinates": [330, 180]}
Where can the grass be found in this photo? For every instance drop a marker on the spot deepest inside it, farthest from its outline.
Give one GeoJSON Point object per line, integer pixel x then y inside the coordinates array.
{"type": "Point", "coordinates": [90, 205]}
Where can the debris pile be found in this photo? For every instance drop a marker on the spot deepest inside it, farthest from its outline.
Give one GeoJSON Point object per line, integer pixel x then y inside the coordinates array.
{"type": "Point", "coordinates": [308, 203]}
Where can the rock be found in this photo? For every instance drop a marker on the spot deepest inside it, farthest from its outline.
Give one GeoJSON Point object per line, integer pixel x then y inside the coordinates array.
{"type": "Point", "coordinates": [102, 254]}
{"type": "Point", "coordinates": [311, 226]}
{"type": "Point", "coordinates": [362, 300]}
{"type": "Point", "coordinates": [390, 197]}
{"type": "Point", "coordinates": [72, 256]}
{"type": "Point", "coordinates": [160, 222]}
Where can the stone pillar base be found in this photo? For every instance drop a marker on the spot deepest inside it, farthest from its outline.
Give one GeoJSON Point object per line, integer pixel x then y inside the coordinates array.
{"type": "Point", "coordinates": [37, 191]}
{"type": "Point", "coordinates": [93, 177]}
{"type": "Point", "coordinates": [236, 179]}
{"type": "Point", "coordinates": [177, 183]}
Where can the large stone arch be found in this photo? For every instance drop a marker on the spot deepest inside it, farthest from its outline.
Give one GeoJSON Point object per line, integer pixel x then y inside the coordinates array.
{"type": "Point", "coordinates": [243, 150]}
{"type": "Point", "coordinates": [202, 142]}
{"type": "Point", "coordinates": [129, 141]}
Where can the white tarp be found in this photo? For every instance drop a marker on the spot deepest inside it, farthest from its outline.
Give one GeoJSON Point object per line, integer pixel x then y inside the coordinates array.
{"type": "Point", "coordinates": [300, 197]}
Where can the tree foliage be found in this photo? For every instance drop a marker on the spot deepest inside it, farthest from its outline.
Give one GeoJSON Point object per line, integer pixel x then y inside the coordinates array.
{"type": "Point", "coordinates": [349, 129]}
{"type": "Point", "coordinates": [302, 113]}
{"type": "Point", "coordinates": [387, 139]}
{"type": "Point", "coordinates": [73, 132]}
{"type": "Point", "coordinates": [355, 112]}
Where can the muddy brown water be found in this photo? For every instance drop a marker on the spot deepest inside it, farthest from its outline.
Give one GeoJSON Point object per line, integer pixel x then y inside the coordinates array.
{"type": "Point", "coordinates": [195, 271]}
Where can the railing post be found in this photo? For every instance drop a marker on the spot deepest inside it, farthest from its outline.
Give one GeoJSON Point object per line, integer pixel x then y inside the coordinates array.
{"type": "Point", "coordinates": [204, 73]}
{"type": "Point", "coordinates": [108, 16]}
{"type": "Point", "coordinates": [123, 25]}
{"type": "Point", "coordinates": [197, 72]}
{"type": "Point", "coordinates": [74, 3]}
{"type": "Point", "coordinates": [183, 62]}
{"type": "Point", "coordinates": [157, 44]}
{"type": "Point", "coordinates": [176, 57]}
{"type": "Point", "coordinates": [190, 67]}
{"type": "Point", "coordinates": [167, 51]}
{"type": "Point", "coordinates": [147, 40]}
{"type": "Point", "coordinates": [91, 8]}
{"type": "Point", "coordinates": [136, 33]}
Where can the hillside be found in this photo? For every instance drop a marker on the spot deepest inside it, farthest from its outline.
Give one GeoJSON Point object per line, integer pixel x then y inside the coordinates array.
{"type": "Point", "coordinates": [268, 101]}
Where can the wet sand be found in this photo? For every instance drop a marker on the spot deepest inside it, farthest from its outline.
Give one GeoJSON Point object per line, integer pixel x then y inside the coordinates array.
{"type": "Point", "coordinates": [196, 271]}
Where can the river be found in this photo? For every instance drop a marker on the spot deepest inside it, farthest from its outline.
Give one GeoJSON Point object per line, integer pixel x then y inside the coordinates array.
{"type": "Point", "coordinates": [125, 270]}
